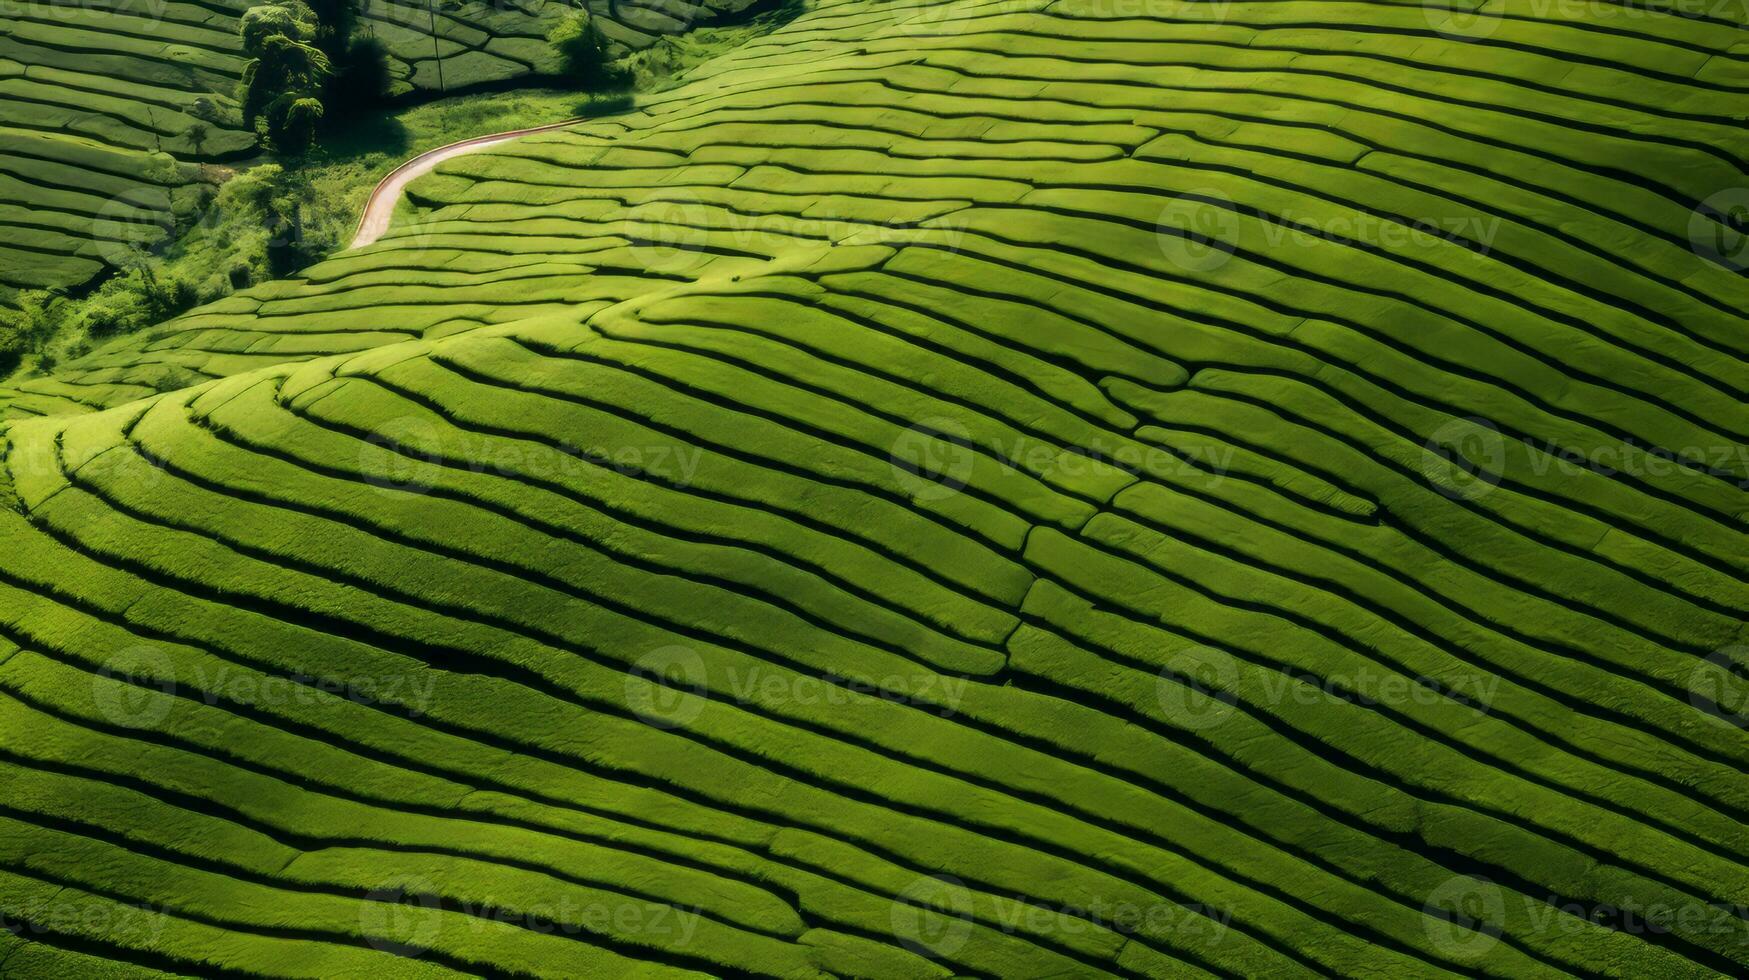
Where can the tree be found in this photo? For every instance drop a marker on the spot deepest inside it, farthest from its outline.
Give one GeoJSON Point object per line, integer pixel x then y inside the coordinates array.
{"type": "Point", "coordinates": [288, 19]}
{"type": "Point", "coordinates": [286, 75]}
{"type": "Point", "coordinates": [197, 136]}
{"type": "Point", "coordinates": [24, 327]}
{"type": "Point", "coordinates": [582, 52]}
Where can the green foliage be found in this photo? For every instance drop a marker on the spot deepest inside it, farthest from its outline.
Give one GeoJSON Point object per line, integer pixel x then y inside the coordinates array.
{"type": "Point", "coordinates": [289, 19]}
{"type": "Point", "coordinates": [261, 225]}
{"type": "Point", "coordinates": [286, 76]}
{"type": "Point", "coordinates": [582, 53]}
{"type": "Point", "coordinates": [23, 329]}
{"type": "Point", "coordinates": [336, 20]}
{"type": "Point", "coordinates": [47, 324]}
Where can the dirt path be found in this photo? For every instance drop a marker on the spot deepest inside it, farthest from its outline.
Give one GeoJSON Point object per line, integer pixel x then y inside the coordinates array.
{"type": "Point", "coordinates": [380, 209]}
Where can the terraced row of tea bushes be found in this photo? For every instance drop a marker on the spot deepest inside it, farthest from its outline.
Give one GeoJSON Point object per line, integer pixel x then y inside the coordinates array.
{"type": "Point", "coordinates": [915, 501]}
{"type": "Point", "coordinates": [106, 108]}
{"type": "Point", "coordinates": [99, 106]}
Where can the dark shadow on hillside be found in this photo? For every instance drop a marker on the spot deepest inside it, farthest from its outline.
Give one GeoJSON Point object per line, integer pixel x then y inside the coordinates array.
{"type": "Point", "coordinates": [366, 133]}
{"type": "Point", "coordinates": [603, 105]}
{"type": "Point", "coordinates": [770, 14]}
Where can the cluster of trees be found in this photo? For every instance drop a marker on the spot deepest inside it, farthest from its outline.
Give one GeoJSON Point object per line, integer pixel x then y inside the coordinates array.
{"type": "Point", "coordinates": [302, 53]}
{"type": "Point", "coordinates": [309, 61]}
{"type": "Point", "coordinates": [252, 231]}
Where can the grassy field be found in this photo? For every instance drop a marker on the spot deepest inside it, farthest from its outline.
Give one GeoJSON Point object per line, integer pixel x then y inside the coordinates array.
{"type": "Point", "coordinates": [1006, 489]}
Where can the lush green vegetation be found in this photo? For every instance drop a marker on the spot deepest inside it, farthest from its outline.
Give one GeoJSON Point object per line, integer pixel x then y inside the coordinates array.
{"type": "Point", "coordinates": [265, 223]}
{"type": "Point", "coordinates": [944, 489]}
{"type": "Point", "coordinates": [113, 112]}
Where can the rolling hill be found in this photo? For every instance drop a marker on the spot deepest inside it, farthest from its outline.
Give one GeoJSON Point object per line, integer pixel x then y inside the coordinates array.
{"type": "Point", "coordinates": [1013, 489]}
{"type": "Point", "coordinates": [108, 108]}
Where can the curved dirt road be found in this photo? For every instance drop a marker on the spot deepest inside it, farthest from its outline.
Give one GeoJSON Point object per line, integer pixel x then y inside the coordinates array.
{"type": "Point", "coordinates": [380, 208]}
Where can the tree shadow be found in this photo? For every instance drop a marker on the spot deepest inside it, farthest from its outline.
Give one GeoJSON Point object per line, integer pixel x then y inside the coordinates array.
{"type": "Point", "coordinates": [605, 104]}
{"type": "Point", "coordinates": [367, 133]}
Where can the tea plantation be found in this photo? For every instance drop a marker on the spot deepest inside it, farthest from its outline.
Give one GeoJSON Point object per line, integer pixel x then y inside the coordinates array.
{"type": "Point", "coordinates": [1020, 488]}
{"type": "Point", "coordinates": [109, 108]}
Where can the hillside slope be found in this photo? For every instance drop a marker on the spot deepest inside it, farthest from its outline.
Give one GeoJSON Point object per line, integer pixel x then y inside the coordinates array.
{"type": "Point", "coordinates": [988, 489]}
{"type": "Point", "coordinates": [108, 106]}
